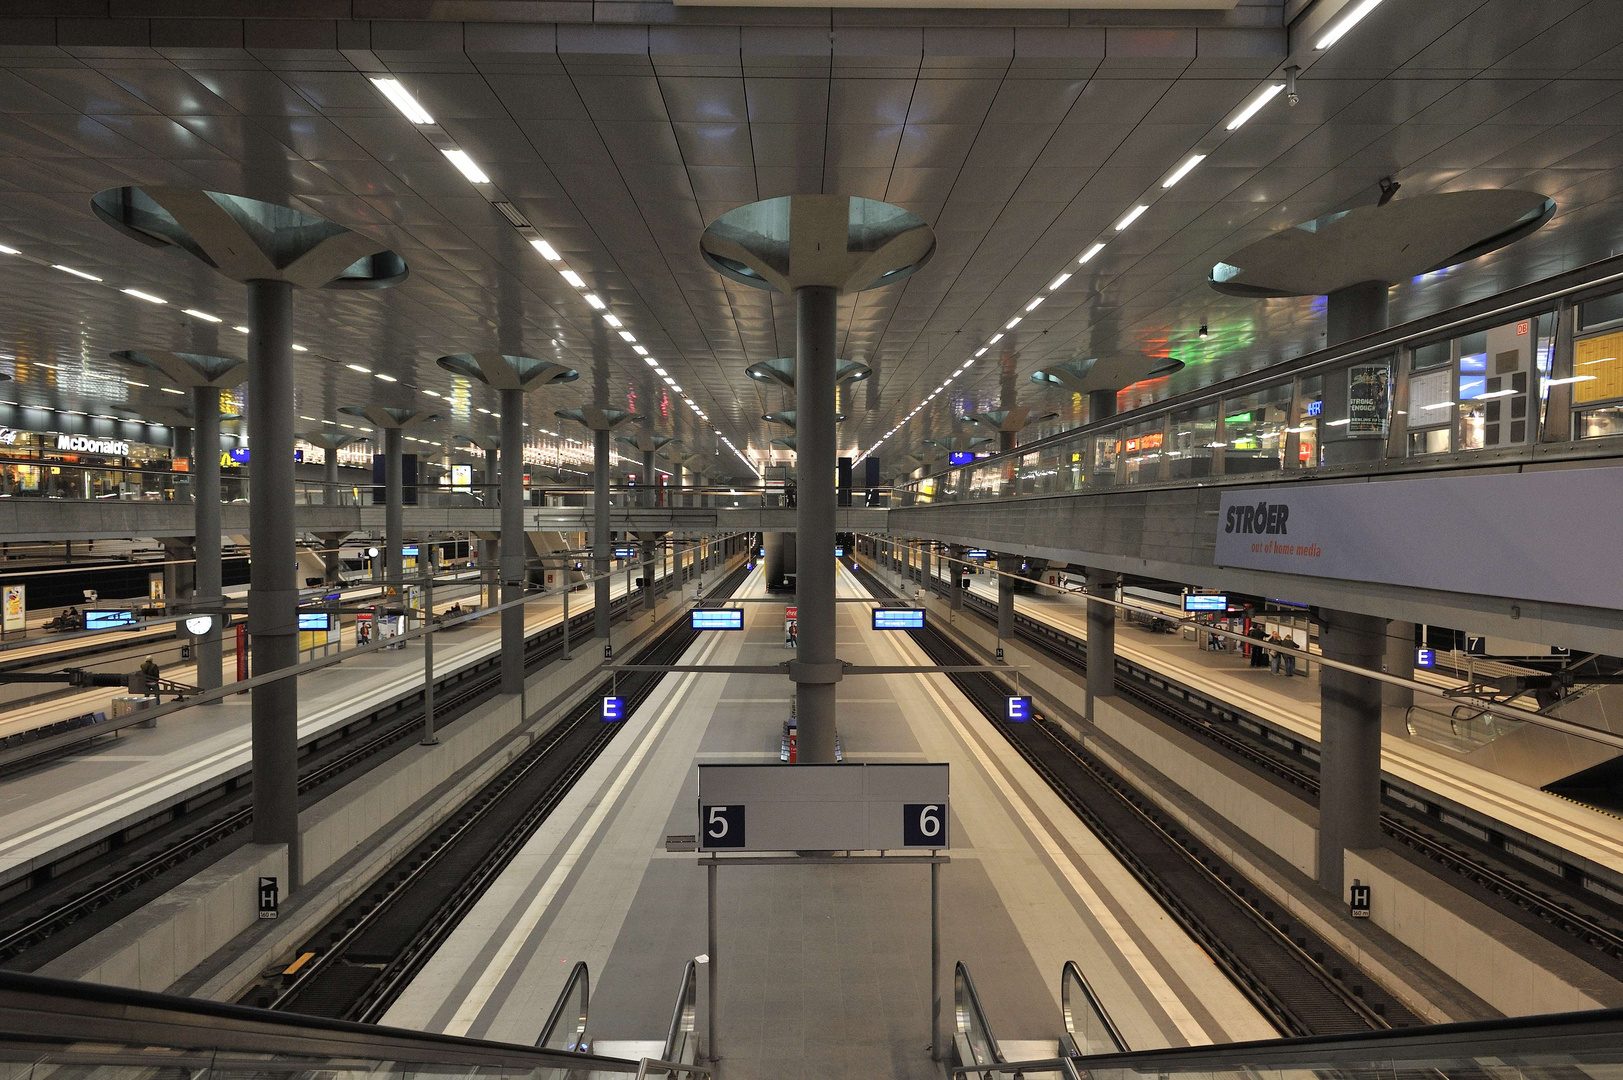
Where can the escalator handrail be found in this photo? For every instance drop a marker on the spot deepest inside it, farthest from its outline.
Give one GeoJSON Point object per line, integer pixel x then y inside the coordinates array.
{"type": "Point", "coordinates": [1592, 1035]}
{"type": "Point", "coordinates": [684, 1017]}
{"type": "Point", "coordinates": [44, 1012]}
{"type": "Point", "coordinates": [562, 1013]}
{"type": "Point", "coordinates": [1094, 1003]}
{"type": "Point", "coordinates": [964, 996]}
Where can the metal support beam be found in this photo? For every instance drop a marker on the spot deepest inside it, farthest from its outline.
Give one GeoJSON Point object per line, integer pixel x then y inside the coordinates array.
{"type": "Point", "coordinates": [206, 542]}
{"type": "Point", "coordinates": [273, 590]}
{"type": "Point", "coordinates": [816, 669]}
{"type": "Point", "coordinates": [600, 533]}
{"type": "Point", "coordinates": [513, 541]}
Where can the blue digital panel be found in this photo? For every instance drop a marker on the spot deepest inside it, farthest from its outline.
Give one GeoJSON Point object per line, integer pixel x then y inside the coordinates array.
{"type": "Point", "coordinates": [315, 620]}
{"type": "Point", "coordinates": [1314, 408]}
{"type": "Point", "coordinates": [1425, 658]}
{"type": "Point", "coordinates": [1018, 711]}
{"type": "Point", "coordinates": [239, 455]}
{"type": "Point", "coordinates": [409, 551]}
{"type": "Point", "coordinates": [109, 620]}
{"type": "Point", "coordinates": [977, 553]}
{"type": "Point", "coordinates": [1205, 602]}
{"type": "Point", "coordinates": [961, 457]}
{"type": "Point", "coordinates": [625, 553]}
{"type": "Point", "coordinates": [839, 552]}
{"type": "Point", "coordinates": [718, 619]}
{"type": "Point", "coordinates": [613, 710]}
{"type": "Point", "coordinates": [898, 618]}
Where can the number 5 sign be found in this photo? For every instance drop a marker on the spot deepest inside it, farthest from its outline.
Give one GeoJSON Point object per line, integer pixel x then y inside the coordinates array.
{"type": "Point", "coordinates": [723, 826]}
{"type": "Point", "coordinates": [924, 825]}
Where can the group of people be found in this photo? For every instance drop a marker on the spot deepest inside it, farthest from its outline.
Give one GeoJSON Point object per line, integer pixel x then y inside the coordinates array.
{"type": "Point", "coordinates": [1277, 653]}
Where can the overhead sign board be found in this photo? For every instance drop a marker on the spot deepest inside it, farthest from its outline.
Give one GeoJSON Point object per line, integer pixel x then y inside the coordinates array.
{"type": "Point", "coordinates": [1018, 710]}
{"type": "Point", "coordinates": [1368, 531]}
{"type": "Point", "coordinates": [898, 618]}
{"type": "Point", "coordinates": [1425, 658]}
{"type": "Point", "coordinates": [614, 709]}
{"type": "Point", "coordinates": [625, 553]}
{"type": "Point", "coordinates": [717, 619]}
{"type": "Point", "coordinates": [977, 553]}
{"type": "Point", "coordinates": [1205, 602]}
{"type": "Point", "coordinates": [868, 807]}
{"type": "Point", "coordinates": [315, 621]}
{"type": "Point", "coordinates": [109, 620]}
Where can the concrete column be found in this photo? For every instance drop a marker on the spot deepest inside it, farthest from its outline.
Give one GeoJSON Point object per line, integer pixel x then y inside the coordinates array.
{"type": "Point", "coordinates": [1006, 564]}
{"type": "Point", "coordinates": [1349, 742]}
{"type": "Point", "coordinates": [1101, 636]}
{"type": "Point", "coordinates": [206, 542]}
{"type": "Point", "coordinates": [648, 597]}
{"type": "Point", "coordinates": [1006, 440]}
{"type": "Point", "coordinates": [394, 527]}
{"type": "Point", "coordinates": [273, 591]}
{"type": "Point", "coordinates": [329, 477]}
{"type": "Point", "coordinates": [1101, 403]}
{"type": "Point", "coordinates": [955, 571]}
{"type": "Point", "coordinates": [1399, 660]}
{"type": "Point", "coordinates": [815, 669]}
{"type": "Point", "coordinates": [331, 556]}
{"type": "Point", "coordinates": [600, 532]}
{"type": "Point", "coordinates": [183, 448]}
{"type": "Point", "coordinates": [650, 486]}
{"type": "Point", "coordinates": [489, 588]}
{"type": "Point", "coordinates": [513, 540]}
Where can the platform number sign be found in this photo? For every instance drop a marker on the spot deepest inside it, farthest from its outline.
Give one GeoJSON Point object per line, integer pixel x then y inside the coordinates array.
{"type": "Point", "coordinates": [1425, 658]}
{"type": "Point", "coordinates": [1360, 901]}
{"type": "Point", "coordinates": [924, 825]}
{"type": "Point", "coordinates": [269, 895]}
{"type": "Point", "coordinates": [1018, 710]}
{"type": "Point", "coordinates": [613, 709]}
{"type": "Point", "coordinates": [723, 826]}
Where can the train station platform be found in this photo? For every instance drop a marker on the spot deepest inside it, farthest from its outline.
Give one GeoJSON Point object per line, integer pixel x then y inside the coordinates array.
{"type": "Point", "coordinates": [822, 970]}
{"type": "Point", "coordinates": [70, 802]}
{"type": "Point", "coordinates": [1292, 705]}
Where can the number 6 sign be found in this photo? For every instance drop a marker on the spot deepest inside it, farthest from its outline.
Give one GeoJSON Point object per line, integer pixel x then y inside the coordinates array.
{"type": "Point", "coordinates": [924, 825]}
{"type": "Point", "coordinates": [723, 826]}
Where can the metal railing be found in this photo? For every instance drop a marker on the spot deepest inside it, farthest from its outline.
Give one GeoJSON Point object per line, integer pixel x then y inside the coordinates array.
{"type": "Point", "coordinates": [1432, 403]}
{"type": "Point", "coordinates": [681, 1040]}
{"type": "Point", "coordinates": [565, 1028]}
{"type": "Point", "coordinates": [1087, 1024]}
{"type": "Point", "coordinates": [51, 1023]}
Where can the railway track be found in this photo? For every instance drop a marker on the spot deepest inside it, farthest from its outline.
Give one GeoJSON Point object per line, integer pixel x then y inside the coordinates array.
{"type": "Point", "coordinates": [356, 965]}
{"type": "Point", "coordinates": [1291, 975]}
{"type": "Point", "coordinates": [84, 892]}
{"type": "Point", "coordinates": [1528, 888]}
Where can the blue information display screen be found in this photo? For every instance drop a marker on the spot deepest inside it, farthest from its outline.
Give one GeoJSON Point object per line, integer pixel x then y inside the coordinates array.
{"type": "Point", "coordinates": [625, 553]}
{"type": "Point", "coordinates": [109, 620]}
{"type": "Point", "coordinates": [898, 618]}
{"type": "Point", "coordinates": [976, 553]}
{"type": "Point", "coordinates": [315, 620]}
{"type": "Point", "coordinates": [961, 457]}
{"type": "Point", "coordinates": [718, 619]}
{"type": "Point", "coordinates": [1205, 602]}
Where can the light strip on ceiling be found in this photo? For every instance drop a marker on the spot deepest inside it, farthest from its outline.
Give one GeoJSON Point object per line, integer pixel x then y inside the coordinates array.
{"type": "Point", "coordinates": [148, 297]}
{"type": "Point", "coordinates": [466, 166]}
{"type": "Point", "coordinates": [1183, 170]}
{"type": "Point", "coordinates": [1346, 23]}
{"type": "Point", "coordinates": [402, 99]}
{"type": "Point", "coordinates": [1268, 94]}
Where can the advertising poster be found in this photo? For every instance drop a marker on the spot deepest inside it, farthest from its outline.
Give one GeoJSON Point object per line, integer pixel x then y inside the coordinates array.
{"type": "Point", "coordinates": [1369, 400]}
{"type": "Point", "coordinates": [14, 609]}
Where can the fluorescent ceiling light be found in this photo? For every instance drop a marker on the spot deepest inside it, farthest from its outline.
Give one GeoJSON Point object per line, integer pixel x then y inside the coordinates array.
{"type": "Point", "coordinates": [466, 166]}
{"type": "Point", "coordinates": [994, 339]}
{"type": "Point", "coordinates": [1057, 282]}
{"type": "Point", "coordinates": [1012, 323]}
{"type": "Point", "coordinates": [432, 393]}
{"type": "Point", "coordinates": [1602, 360]}
{"type": "Point", "coordinates": [573, 278]}
{"type": "Point", "coordinates": [482, 409]}
{"type": "Point", "coordinates": [628, 336]}
{"type": "Point", "coordinates": [971, 360]}
{"type": "Point", "coordinates": [1343, 422]}
{"type": "Point", "coordinates": [300, 348]}
{"type": "Point", "coordinates": [669, 381]}
{"type": "Point", "coordinates": [172, 390]}
{"type": "Point", "coordinates": [205, 316]}
{"type": "Point", "coordinates": [1035, 301]}
{"type": "Point", "coordinates": [596, 301]}
{"type": "Point", "coordinates": [1183, 170]}
{"type": "Point", "coordinates": [6, 249]}
{"type": "Point", "coordinates": [148, 297]}
{"type": "Point", "coordinates": [1268, 94]}
{"type": "Point", "coordinates": [1494, 394]}
{"type": "Point", "coordinates": [1088, 255]}
{"type": "Point", "coordinates": [612, 319]}
{"type": "Point", "coordinates": [548, 252]}
{"type": "Point", "coordinates": [981, 351]}
{"type": "Point", "coordinates": [1440, 405]}
{"type": "Point", "coordinates": [357, 367]}
{"type": "Point", "coordinates": [330, 423]}
{"type": "Point", "coordinates": [676, 388]}
{"type": "Point", "coordinates": [1132, 216]}
{"type": "Point", "coordinates": [240, 329]}
{"type": "Point", "coordinates": [1571, 379]}
{"type": "Point", "coordinates": [132, 382]}
{"type": "Point", "coordinates": [640, 350]}
{"type": "Point", "coordinates": [650, 361]}
{"type": "Point", "coordinates": [75, 273]}
{"type": "Point", "coordinates": [386, 378]}
{"type": "Point", "coordinates": [659, 370]}
{"type": "Point", "coordinates": [1350, 20]}
{"type": "Point", "coordinates": [403, 100]}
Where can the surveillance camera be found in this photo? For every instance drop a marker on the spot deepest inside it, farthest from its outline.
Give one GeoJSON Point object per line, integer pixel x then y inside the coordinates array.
{"type": "Point", "coordinates": [1291, 97]}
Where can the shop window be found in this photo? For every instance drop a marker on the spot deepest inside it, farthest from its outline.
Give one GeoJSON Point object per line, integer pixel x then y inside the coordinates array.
{"type": "Point", "coordinates": [1496, 369]}
{"type": "Point", "coordinates": [1254, 426]}
{"type": "Point", "coordinates": [1600, 312]}
{"type": "Point", "coordinates": [1597, 388]}
{"type": "Point", "coordinates": [1190, 451]}
{"type": "Point", "coordinates": [1139, 453]}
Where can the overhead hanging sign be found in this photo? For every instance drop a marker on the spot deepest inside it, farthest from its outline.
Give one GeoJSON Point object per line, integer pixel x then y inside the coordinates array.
{"type": "Point", "coordinates": [1395, 532]}
{"type": "Point", "coordinates": [877, 807]}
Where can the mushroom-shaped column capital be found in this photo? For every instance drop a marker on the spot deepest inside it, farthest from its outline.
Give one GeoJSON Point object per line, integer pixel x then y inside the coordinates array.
{"type": "Point", "coordinates": [385, 417]}
{"type": "Point", "coordinates": [782, 370]}
{"type": "Point", "coordinates": [838, 241]}
{"type": "Point", "coordinates": [502, 371]}
{"type": "Point", "coordinates": [187, 369]}
{"type": "Point", "coordinates": [599, 419]}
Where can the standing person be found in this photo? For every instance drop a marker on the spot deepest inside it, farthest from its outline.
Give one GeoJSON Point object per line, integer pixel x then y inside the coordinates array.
{"type": "Point", "coordinates": [1288, 654]}
{"type": "Point", "coordinates": [151, 671]}
{"type": "Point", "coordinates": [1259, 655]}
{"type": "Point", "coordinates": [1274, 654]}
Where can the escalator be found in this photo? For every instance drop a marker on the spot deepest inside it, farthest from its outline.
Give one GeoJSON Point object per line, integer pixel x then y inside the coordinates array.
{"type": "Point", "coordinates": [565, 1030]}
